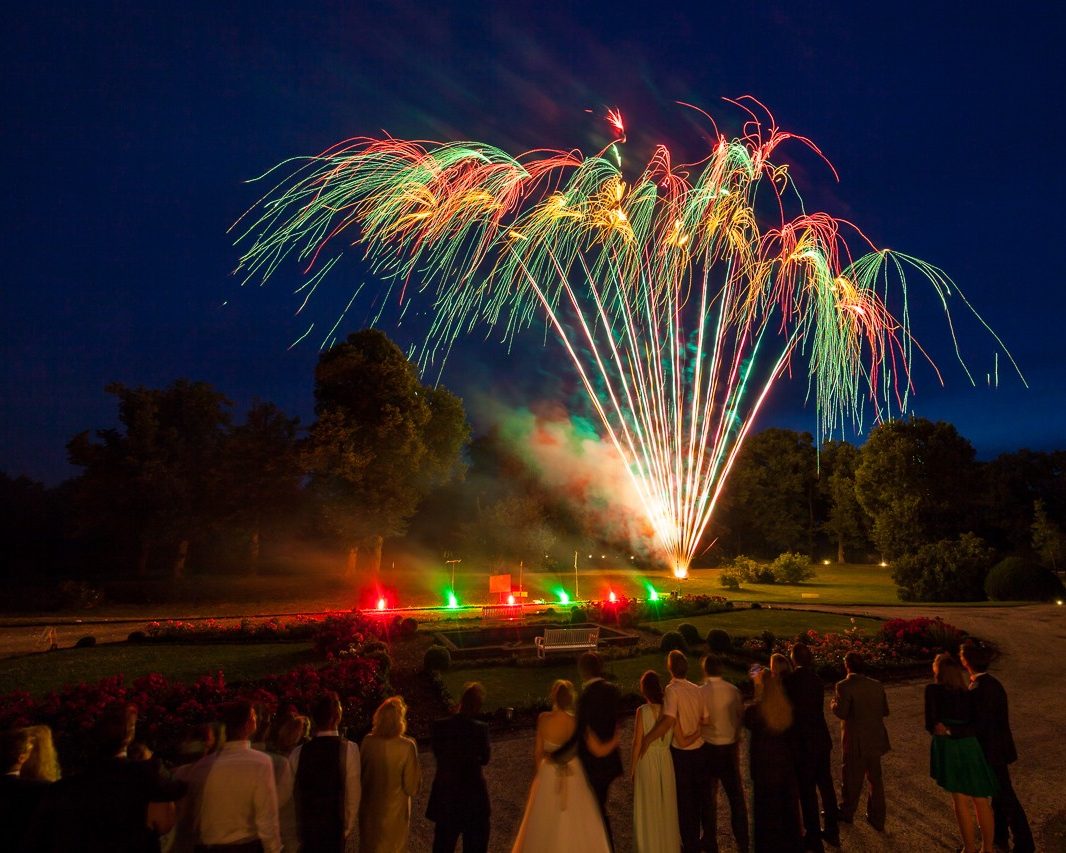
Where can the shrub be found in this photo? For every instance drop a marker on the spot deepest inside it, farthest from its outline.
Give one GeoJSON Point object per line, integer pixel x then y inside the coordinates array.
{"type": "Point", "coordinates": [792, 567]}
{"type": "Point", "coordinates": [729, 579]}
{"type": "Point", "coordinates": [719, 640]}
{"type": "Point", "coordinates": [578, 615]}
{"type": "Point", "coordinates": [923, 636]}
{"type": "Point", "coordinates": [86, 642]}
{"type": "Point", "coordinates": [689, 632]}
{"type": "Point", "coordinates": [136, 637]}
{"type": "Point", "coordinates": [673, 640]}
{"type": "Point", "coordinates": [1018, 579]}
{"type": "Point", "coordinates": [752, 571]}
{"type": "Point", "coordinates": [756, 606]}
{"type": "Point", "coordinates": [628, 619]}
{"type": "Point", "coordinates": [948, 570]}
{"type": "Point", "coordinates": [437, 658]}
{"type": "Point", "coordinates": [408, 627]}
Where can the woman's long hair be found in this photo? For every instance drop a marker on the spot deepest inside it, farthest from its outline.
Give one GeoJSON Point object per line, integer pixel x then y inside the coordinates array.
{"type": "Point", "coordinates": [948, 671]}
{"type": "Point", "coordinates": [773, 704]}
{"type": "Point", "coordinates": [43, 763]}
{"type": "Point", "coordinates": [390, 719]}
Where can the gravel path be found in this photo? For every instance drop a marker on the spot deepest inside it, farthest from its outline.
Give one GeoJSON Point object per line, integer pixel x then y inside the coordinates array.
{"type": "Point", "coordinates": [1033, 640]}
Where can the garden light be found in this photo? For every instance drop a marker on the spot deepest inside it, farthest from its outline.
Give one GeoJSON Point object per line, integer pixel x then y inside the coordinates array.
{"type": "Point", "coordinates": [381, 603]}
{"type": "Point", "coordinates": [510, 600]}
{"type": "Point", "coordinates": [611, 597]}
{"type": "Point", "coordinates": [453, 602]}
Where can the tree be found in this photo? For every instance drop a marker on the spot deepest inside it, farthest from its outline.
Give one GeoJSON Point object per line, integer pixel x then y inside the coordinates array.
{"type": "Point", "coordinates": [768, 498]}
{"type": "Point", "coordinates": [1048, 540]}
{"type": "Point", "coordinates": [156, 476]}
{"type": "Point", "coordinates": [1011, 483]}
{"type": "Point", "coordinates": [261, 473]}
{"type": "Point", "coordinates": [948, 570]}
{"type": "Point", "coordinates": [381, 442]}
{"type": "Point", "coordinates": [845, 520]}
{"type": "Point", "coordinates": [917, 480]}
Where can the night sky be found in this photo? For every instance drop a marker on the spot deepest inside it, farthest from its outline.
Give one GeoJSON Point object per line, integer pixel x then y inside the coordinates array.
{"type": "Point", "coordinates": [129, 132]}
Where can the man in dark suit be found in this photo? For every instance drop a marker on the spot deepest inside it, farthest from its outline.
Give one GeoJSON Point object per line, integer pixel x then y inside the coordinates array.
{"type": "Point", "coordinates": [861, 704]}
{"type": "Point", "coordinates": [997, 741]}
{"type": "Point", "coordinates": [597, 730]}
{"type": "Point", "coordinates": [459, 799]}
{"type": "Point", "coordinates": [811, 749]}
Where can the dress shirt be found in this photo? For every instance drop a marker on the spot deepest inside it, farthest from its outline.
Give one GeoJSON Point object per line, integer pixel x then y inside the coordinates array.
{"type": "Point", "coordinates": [681, 700]}
{"type": "Point", "coordinates": [237, 797]}
{"type": "Point", "coordinates": [721, 711]}
{"type": "Point", "coordinates": [352, 783]}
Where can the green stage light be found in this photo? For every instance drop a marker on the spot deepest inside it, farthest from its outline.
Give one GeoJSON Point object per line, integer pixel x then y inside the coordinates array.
{"type": "Point", "coordinates": [453, 602]}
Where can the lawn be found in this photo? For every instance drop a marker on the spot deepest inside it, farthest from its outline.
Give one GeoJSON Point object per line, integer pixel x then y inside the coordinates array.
{"type": "Point", "coordinates": [846, 583]}
{"type": "Point", "coordinates": [782, 623]}
{"type": "Point", "coordinates": [522, 686]}
{"type": "Point", "coordinates": [40, 673]}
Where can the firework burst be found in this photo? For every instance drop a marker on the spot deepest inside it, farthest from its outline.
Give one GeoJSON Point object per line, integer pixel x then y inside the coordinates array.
{"type": "Point", "coordinates": [677, 305]}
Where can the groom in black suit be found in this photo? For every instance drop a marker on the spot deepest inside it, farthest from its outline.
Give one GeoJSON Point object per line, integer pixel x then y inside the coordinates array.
{"type": "Point", "coordinates": [597, 730]}
{"type": "Point", "coordinates": [997, 741]}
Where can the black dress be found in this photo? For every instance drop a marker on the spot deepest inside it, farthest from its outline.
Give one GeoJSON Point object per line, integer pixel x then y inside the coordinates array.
{"type": "Point", "coordinates": [776, 810]}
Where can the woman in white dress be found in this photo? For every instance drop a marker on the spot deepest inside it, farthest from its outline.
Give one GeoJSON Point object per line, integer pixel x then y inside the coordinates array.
{"type": "Point", "coordinates": [561, 813]}
{"type": "Point", "coordinates": [655, 827]}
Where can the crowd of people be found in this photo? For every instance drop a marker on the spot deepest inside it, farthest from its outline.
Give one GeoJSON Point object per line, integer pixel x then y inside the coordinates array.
{"type": "Point", "coordinates": [253, 783]}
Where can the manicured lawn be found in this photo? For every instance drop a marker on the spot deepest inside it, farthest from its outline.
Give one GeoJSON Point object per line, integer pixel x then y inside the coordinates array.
{"type": "Point", "coordinates": [40, 673]}
{"type": "Point", "coordinates": [847, 583]}
{"type": "Point", "coordinates": [782, 623]}
{"type": "Point", "coordinates": [521, 686]}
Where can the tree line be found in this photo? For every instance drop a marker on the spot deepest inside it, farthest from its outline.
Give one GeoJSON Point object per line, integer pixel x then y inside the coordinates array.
{"type": "Point", "coordinates": [180, 486]}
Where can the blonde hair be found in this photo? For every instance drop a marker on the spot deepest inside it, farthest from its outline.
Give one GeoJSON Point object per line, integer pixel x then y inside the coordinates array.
{"type": "Point", "coordinates": [562, 694]}
{"type": "Point", "coordinates": [779, 664]}
{"type": "Point", "coordinates": [390, 719]}
{"type": "Point", "coordinates": [290, 731]}
{"type": "Point", "coordinates": [773, 704]}
{"type": "Point", "coordinates": [948, 671]}
{"type": "Point", "coordinates": [43, 763]}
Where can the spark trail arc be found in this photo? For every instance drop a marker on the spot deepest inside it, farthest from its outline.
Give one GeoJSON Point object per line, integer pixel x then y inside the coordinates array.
{"type": "Point", "coordinates": [677, 305]}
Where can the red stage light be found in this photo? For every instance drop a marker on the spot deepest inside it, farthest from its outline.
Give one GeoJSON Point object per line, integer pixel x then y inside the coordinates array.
{"type": "Point", "coordinates": [510, 600]}
{"type": "Point", "coordinates": [381, 604]}
{"type": "Point", "coordinates": [611, 597]}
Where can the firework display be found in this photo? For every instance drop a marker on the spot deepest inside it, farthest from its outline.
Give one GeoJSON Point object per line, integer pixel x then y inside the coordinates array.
{"type": "Point", "coordinates": [680, 296]}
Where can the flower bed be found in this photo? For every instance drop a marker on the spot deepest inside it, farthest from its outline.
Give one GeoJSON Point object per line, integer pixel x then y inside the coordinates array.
{"type": "Point", "coordinates": [168, 709]}
{"type": "Point", "coordinates": [329, 635]}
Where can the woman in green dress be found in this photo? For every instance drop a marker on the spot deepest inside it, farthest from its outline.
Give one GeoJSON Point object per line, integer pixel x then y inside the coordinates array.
{"type": "Point", "coordinates": [956, 760]}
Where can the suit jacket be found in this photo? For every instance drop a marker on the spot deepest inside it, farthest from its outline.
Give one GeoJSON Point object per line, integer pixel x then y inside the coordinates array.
{"type": "Point", "coordinates": [19, 799]}
{"type": "Point", "coordinates": [992, 720]}
{"type": "Point", "coordinates": [862, 706]}
{"type": "Point", "coordinates": [597, 711]}
{"type": "Point", "coordinates": [805, 690]}
{"type": "Point", "coordinates": [461, 747]}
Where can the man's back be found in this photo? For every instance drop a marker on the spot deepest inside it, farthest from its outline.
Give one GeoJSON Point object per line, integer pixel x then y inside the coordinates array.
{"type": "Point", "coordinates": [722, 710]}
{"type": "Point", "coordinates": [236, 796]}
{"type": "Point", "coordinates": [862, 705]}
{"type": "Point", "coordinates": [807, 694]}
{"type": "Point", "coordinates": [993, 720]}
{"type": "Point", "coordinates": [461, 747]}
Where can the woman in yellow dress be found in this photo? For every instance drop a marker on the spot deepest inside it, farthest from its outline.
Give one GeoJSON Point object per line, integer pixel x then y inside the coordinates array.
{"type": "Point", "coordinates": [390, 777]}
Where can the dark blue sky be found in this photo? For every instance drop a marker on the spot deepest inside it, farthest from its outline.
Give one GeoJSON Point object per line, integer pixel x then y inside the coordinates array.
{"type": "Point", "coordinates": [128, 132]}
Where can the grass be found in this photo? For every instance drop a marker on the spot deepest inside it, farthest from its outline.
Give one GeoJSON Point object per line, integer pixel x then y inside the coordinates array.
{"type": "Point", "coordinates": [522, 686]}
{"type": "Point", "coordinates": [846, 583]}
{"type": "Point", "coordinates": [41, 673]}
{"type": "Point", "coordinates": [782, 623]}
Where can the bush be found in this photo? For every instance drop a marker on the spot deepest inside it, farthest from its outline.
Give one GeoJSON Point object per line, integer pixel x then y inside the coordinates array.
{"type": "Point", "coordinates": [578, 615]}
{"type": "Point", "coordinates": [756, 606]}
{"type": "Point", "coordinates": [628, 619]}
{"type": "Point", "coordinates": [948, 570]}
{"type": "Point", "coordinates": [437, 658]}
{"type": "Point", "coordinates": [673, 640]}
{"type": "Point", "coordinates": [792, 567]}
{"type": "Point", "coordinates": [136, 637]}
{"type": "Point", "coordinates": [1018, 579]}
{"type": "Point", "coordinates": [752, 571]}
{"type": "Point", "coordinates": [408, 627]}
{"type": "Point", "coordinates": [719, 640]}
{"type": "Point", "coordinates": [729, 579]}
{"type": "Point", "coordinates": [86, 642]}
{"type": "Point", "coordinates": [689, 632]}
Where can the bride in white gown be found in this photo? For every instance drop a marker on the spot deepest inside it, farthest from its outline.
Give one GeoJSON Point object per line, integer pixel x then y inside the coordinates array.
{"type": "Point", "coordinates": [561, 813]}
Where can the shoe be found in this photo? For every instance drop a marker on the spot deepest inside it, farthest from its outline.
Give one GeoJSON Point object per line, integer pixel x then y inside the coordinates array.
{"type": "Point", "coordinates": [880, 828]}
{"type": "Point", "coordinates": [831, 838]}
{"type": "Point", "coordinates": [842, 818]}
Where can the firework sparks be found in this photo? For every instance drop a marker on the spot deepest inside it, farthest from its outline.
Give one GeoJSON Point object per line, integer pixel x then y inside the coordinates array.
{"type": "Point", "coordinates": [677, 307]}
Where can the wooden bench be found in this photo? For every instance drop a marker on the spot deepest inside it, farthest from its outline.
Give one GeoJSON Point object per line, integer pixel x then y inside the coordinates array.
{"type": "Point", "coordinates": [567, 640]}
{"type": "Point", "coordinates": [501, 611]}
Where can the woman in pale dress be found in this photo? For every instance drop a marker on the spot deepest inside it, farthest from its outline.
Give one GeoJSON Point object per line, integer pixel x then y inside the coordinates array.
{"type": "Point", "coordinates": [390, 776]}
{"type": "Point", "coordinates": [655, 827]}
{"type": "Point", "coordinates": [561, 813]}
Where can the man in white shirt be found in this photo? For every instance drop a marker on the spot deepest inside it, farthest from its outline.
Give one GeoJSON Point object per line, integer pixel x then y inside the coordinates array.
{"type": "Point", "coordinates": [327, 781]}
{"type": "Point", "coordinates": [682, 703]}
{"type": "Point", "coordinates": [232, 792]}
{"type": "Point", "coordinates": [721, 717]}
